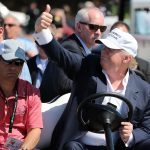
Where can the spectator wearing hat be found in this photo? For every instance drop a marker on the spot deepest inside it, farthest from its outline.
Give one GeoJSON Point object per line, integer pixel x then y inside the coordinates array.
{"type": "Point", "coordinates": [93, 74]}
{"type": "Point", "coordinates": [20, 105]}
{"type": "Point", "coordinates": [25, 75]}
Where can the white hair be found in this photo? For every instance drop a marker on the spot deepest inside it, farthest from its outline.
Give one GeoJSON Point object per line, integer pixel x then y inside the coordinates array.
{"type": "Point", "coordinates": [83, 14]}
{"type": "Point", "coordinates": [15, 19]}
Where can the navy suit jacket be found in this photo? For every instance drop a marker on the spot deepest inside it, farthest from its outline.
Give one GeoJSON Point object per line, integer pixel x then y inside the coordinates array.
{"type": "Point", "coordinates": [89, 79]}
{"type": "Point", "coordinates": [54, 81]}
{"type": "Point", "coordinates": [73, 44]}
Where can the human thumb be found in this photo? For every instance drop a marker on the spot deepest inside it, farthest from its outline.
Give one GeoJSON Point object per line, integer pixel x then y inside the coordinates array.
{"type": "Point", "coordinates": [48, 8]}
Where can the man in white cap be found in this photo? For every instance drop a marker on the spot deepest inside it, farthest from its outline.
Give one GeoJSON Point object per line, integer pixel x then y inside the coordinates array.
{"type": "Point", "coordinates": [95, 74]}
{"type": "Point", "coordinates": [20, 104]}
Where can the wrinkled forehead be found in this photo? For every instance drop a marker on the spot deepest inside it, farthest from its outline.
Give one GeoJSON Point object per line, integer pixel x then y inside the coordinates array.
{"type": "Point", "coordinates": [96, 17]}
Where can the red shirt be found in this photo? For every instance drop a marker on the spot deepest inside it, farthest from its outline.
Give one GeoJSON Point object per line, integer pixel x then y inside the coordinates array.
{"type": "Point", "coordinates": [28, 112]}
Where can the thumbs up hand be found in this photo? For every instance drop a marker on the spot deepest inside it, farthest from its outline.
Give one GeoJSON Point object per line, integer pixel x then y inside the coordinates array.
{"type": "Point", "coordinates": [45, 19]}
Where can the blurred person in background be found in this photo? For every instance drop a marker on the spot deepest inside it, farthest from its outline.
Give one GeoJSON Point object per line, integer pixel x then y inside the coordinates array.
{"type": "Point", "coordinates": [47, 76]}
{"type": "Point", "coordinates": [13, 30]}
{"type": "Point", "coordinates": [33, 13]}
{"type": "Point", "coordinates": [89, 4]}
{"type": "Point", "coordinates": [121, 25]}
{"type": "Point", "coordinates": [60, 17]}
{"type": "Point", "coordinates": [86, 4]}
{"type": "Point", "coordinates": [57, 28]}
{"type": "Point", "coordinates": [57, 32]}
{"type": "Point", "coordinates": [69, 16]}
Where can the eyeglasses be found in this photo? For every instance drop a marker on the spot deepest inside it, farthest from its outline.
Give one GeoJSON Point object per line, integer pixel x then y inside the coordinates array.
{"type": "Point", "coordinates": [94, 27]}
{"type": "Point", "coordinates": [9, 25]}
{"type": "Point", "coordinates": [16, 62]}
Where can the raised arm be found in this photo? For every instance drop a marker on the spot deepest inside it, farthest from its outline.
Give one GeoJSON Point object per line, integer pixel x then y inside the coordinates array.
{"type": "Point", "coordinates": [68, 61]}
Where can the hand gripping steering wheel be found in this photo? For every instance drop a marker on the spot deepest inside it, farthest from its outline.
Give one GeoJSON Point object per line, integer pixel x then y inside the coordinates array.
{"type": "Point", "coordinates": [99, 118]}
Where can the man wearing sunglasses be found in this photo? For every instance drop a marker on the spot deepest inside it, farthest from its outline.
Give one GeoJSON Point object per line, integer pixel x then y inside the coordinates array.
{"type": "Point", "coordinates": [108, 72]}
{"type": "Point", "coordinates": [89, 26]}
{"type": "Point", "coordinates": [20, 104]}
{"type": "Point", "coordinates": [14, 30]}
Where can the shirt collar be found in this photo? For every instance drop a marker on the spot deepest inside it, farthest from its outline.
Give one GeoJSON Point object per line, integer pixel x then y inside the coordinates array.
{"type": "Point", "coordinates": [124, 81]}
{"type": "Point", "coordinates": [87, 50]}
{"type": "Point", "coordinates": [40, 63]}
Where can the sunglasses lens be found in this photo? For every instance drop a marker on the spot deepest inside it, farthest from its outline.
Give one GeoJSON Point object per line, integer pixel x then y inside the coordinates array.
{"type": "Point", "coordinates": [9, 25]}
{"type": "Point", "coordinates": [103, 28]}
{"type": "Point", "coordinates": [18, 62]}
{"type": "Point", "coordinates": [14, 62]}
{"type": "Point", "coordinates": [93, 27]}
{"type": "Point", "coordinates": [96, 27]}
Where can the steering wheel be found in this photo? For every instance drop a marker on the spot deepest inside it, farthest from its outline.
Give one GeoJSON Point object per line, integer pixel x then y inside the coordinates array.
{"type": "Point", "coordinates": [99, 118]}
{"type": "Point", "coordinates": [93, 116]}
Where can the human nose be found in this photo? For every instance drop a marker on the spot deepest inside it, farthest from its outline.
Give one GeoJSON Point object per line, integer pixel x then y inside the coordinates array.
{"type": "Point", "coordinates": [98, 31]}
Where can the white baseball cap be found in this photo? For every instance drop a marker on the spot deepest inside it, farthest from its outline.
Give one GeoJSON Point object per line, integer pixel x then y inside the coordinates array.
{"type": "Point", "coordinates": [11, 49]}
{"type": "Point", "coordinates": [117, 39]}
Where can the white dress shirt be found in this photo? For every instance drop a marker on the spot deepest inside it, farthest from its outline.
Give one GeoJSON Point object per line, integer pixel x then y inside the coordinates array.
{"type": "Point", "coordinates": [41, 65]}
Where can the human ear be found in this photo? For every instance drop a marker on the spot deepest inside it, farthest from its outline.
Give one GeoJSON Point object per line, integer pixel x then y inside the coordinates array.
{"type": "Point", "coordinates": [78, 27]}
{"type": "Point", "coordinates": [127, 58]}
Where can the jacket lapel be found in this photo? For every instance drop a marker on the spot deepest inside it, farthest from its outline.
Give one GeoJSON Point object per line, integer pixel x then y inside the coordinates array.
{"type": "Point", "coordinates": [132, 90]}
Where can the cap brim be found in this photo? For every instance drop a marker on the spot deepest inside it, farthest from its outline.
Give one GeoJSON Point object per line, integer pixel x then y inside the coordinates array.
{"type": "Point", "coordinates": [11, 56]}
{"type": "Point", "coordinates": [108, 43]}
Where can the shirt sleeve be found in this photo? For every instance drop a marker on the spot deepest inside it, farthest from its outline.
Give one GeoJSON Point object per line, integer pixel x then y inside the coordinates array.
{"type": "Point", "coordinates": [34, 119]}
{"type": "Point", "coordinates": [130, 142]}
{"type": "Point", "coordinates": [43, 37]}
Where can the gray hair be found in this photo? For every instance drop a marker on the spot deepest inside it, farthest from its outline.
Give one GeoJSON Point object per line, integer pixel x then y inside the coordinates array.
{"type": "Point", "coordinates": [15, 19]}
{"type": "Point", "coordinates": [83, 14]}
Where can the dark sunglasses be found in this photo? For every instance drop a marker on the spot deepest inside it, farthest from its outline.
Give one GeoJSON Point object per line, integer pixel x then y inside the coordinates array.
{"type": "Point", "coordinates": [9, 24]}
{"type": "Point", "coordinates": [95, 27]}
{"type": "Point", "coordinates": [16, 62]}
